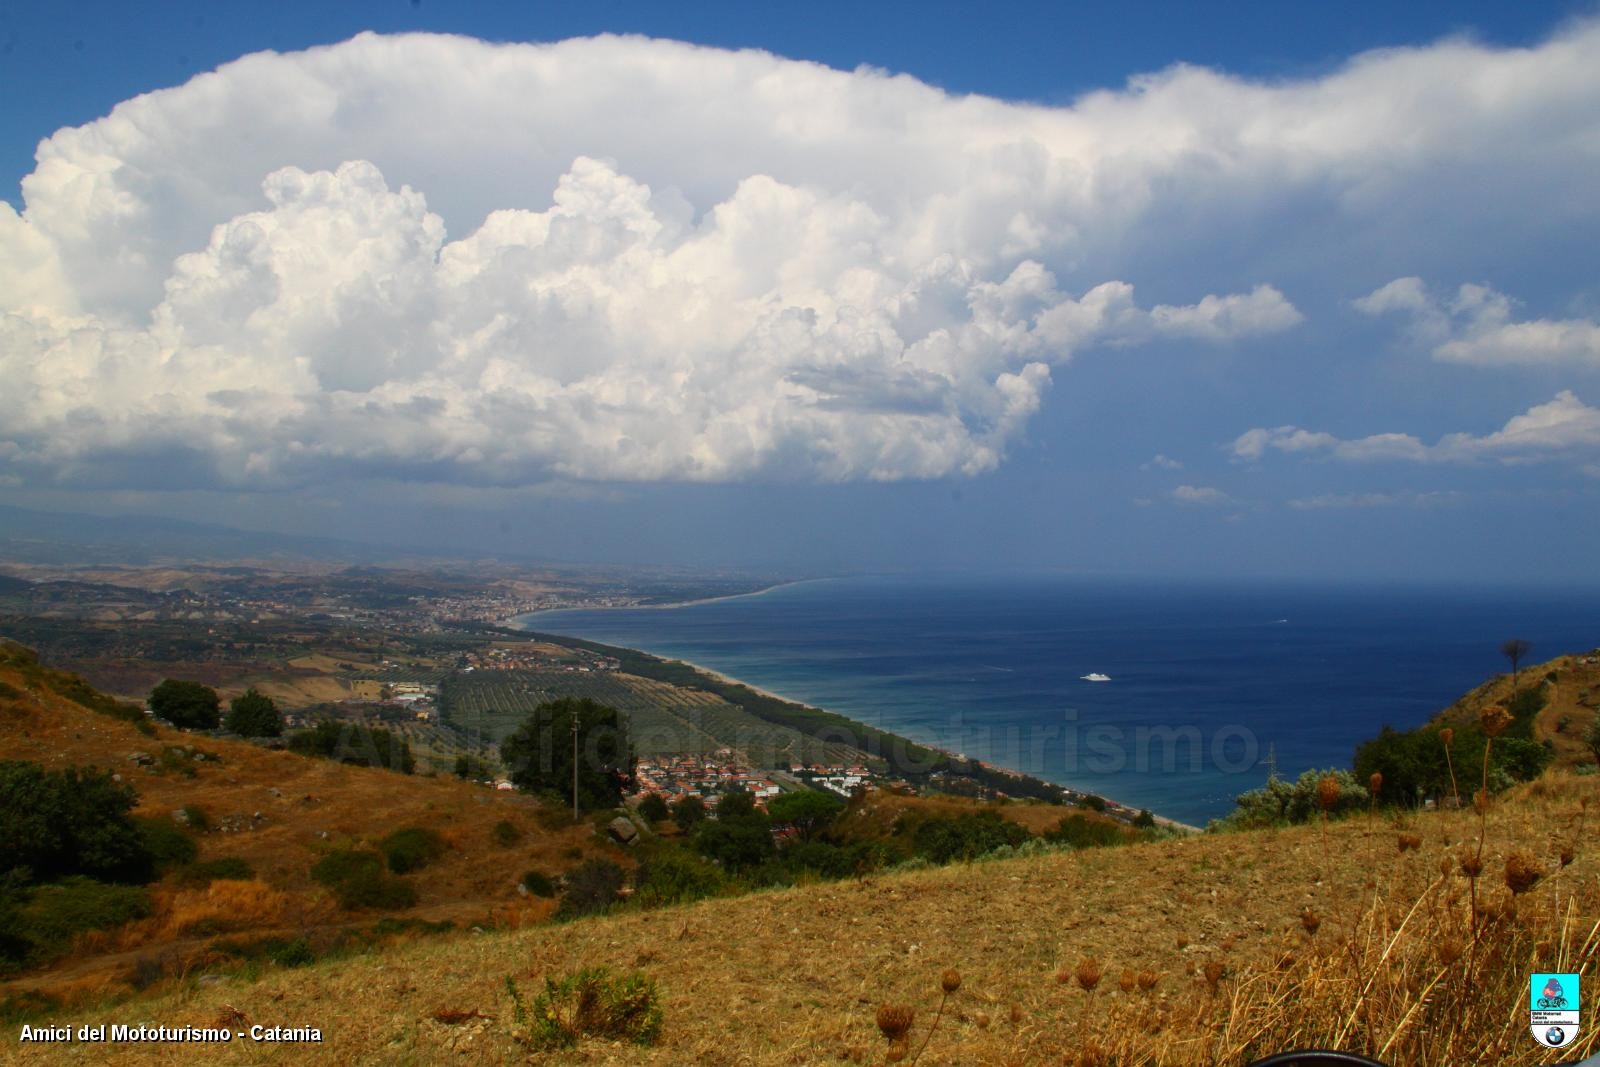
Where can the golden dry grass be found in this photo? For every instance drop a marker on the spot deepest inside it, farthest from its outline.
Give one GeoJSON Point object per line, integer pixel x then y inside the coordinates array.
{"type": "Point", "coordinates": [286, 811]}
{"type": "Point", "coordinates": [1203, 951]}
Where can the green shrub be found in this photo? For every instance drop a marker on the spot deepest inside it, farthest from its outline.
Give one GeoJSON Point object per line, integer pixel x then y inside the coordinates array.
{"type": "Point", "coordinates": [411, 849]}
{"type": "Point", "coordinates": [56, 823]}
{"type": "Point", "coordinates": [506, 833]}
{"type": "Point", "coordinates": [374, 889]}
{"type": "Point", "coordinates": [195, 817]}
{"type": "Point", "coordinates": [1080, 831]}
{"type": "Point", "coordinates": [591, 887]}
{"type": "Point", "coordinates": [589, 1003]}
{"type": "Point", "coordinates": [344, 864]}
{"type": "Point", "coordinates": [670, 875]}
{"type": "Point", "coordinates": [221, 869]}
{"type": "Point", "coordinates": [688, 812]}
{"type": "Point", "coordinates": [168, 846]}
{"type": "Point", "coordinates": [539, 884]}
{"type": "Point", "coordinates": [654, 807]}
{"type": "Point", "coordinates": [349, 742]}
{"type": "Point", "coordinates": [966, 836]}
{"type": "Point", "coordinates": [53, 915]}
{"type": "Point", "coordinates": [1144, 820]}
{"type": "Point", "coordinates": [188, 705]}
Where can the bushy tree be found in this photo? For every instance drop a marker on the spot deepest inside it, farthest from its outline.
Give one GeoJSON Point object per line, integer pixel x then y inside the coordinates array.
{"type": "Point", "coordinates": [966, 836]}
{"type": "Point", "coordinates": [688, 812]}
{"type": "Point", "coordinates": [253, 715]}
{"type": "Point", "coordinates": [654, 808]}
{"type": "Point", "coordinates": [59, 823]}
{"type": "Point", "coordinates": [592, 887]}
{"type": "Point", "coordinates": [188, 705]}
{"type": "Point", "coordinates": [740, 837]}
{"type": "Point", "coordinates": [539, 754]}
{"type": "Point", "coordinates": [810, 812]}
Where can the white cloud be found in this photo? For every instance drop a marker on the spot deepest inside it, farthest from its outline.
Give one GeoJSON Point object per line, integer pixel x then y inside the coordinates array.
{"type": "Point", "coordinates": [1162, 462]}
{"type": "Point", "coordinates": [1199, 494]}
{"type": "Point", "coordinates": [1562, 427]}
{"type": "Point", "coordinates": [434, 258]}
{"type": "Point", "coordinates": [1474, 326]}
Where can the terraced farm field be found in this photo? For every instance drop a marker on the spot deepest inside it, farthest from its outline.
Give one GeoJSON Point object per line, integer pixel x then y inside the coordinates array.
{"type": "Point", "coordinates": [663, 719]}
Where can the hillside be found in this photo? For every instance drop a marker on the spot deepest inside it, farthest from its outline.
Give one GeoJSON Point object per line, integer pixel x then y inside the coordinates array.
{"type": "Point", "coordinates": [1407, 936]}
{"type": "Point", "coordinates": [279, 813]}
{"type": "Point", "coordinates": [1570, 687]}
{"type": "Point", "coordinates": [1220, 922]}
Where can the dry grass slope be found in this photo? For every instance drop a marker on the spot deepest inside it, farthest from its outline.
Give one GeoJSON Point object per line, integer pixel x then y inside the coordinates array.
{"type": "Point", "coordinates": [280, 813]}
{"type": "Point", "coordinates": [1361, 935]}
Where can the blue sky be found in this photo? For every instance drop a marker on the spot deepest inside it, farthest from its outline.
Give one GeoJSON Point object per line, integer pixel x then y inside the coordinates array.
{"type": "Point", "coordinates": [1320, 302]}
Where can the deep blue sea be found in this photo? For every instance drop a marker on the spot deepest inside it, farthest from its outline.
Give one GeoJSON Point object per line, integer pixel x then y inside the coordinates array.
{"type": "Point", "coordinates": [1207, 681]}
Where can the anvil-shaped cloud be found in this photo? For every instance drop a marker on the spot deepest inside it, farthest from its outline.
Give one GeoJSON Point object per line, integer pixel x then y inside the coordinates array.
{"type": "Point", "coordinates": [675, 262]}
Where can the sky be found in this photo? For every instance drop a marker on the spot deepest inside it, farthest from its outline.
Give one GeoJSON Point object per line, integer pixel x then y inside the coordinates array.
{"type": "Point", "coordinates": [1246, 290]}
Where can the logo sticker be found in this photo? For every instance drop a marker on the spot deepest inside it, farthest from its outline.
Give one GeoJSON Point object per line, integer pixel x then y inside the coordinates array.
{"type": "Point", "coordinates": [1553, 1008]}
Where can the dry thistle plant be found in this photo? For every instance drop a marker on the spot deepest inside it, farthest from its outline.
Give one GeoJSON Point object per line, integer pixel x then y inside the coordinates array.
{"type": "Point", "coordinates": [1127, 981]}
{"type": "Point", "coordinates": [1310, 922]}
{"type": "Point", "coordinates": [1446, 736]}
{"type": "Point", "coordinates": [1522, 872]}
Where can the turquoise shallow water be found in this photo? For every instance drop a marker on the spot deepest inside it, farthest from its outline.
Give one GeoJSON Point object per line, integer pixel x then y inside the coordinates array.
{"type": "Point", "coordinates": [1206, 680]}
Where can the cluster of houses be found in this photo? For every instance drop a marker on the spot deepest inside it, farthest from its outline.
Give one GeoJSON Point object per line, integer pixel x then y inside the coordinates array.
{"type": "Point", "coordinates": [842, 780]}
{"type": "Point", "coordinates": [415, 699]}
{"type": "Point", "coordinates": [707, 777]}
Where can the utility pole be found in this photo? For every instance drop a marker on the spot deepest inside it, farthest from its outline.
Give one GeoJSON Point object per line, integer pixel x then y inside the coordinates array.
{"type": "Point", "coordinates": [574, 766]}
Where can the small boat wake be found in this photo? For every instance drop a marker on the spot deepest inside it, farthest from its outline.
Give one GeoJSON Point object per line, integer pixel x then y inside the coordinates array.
{"type": "Point", "coordinates": [1095, 676]}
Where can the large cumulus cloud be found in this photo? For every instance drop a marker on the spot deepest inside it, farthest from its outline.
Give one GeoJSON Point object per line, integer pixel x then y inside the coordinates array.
{"type": "Point", "coordinates": [436, 258]}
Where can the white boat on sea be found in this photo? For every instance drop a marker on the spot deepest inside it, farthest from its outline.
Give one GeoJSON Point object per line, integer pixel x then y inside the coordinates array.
{"type": "Point", "coordinates": [1095, 677]}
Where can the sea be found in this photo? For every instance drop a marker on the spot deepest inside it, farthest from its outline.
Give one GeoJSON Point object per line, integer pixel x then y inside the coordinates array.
{"type": "Point", "coordinates": [1211, 686]}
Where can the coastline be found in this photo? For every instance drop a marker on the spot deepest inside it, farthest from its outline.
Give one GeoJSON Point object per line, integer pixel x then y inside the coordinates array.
{"type": "Point", "coordinates": [673, 605]}
{"type": "Point", "coordinates": [728, 679]}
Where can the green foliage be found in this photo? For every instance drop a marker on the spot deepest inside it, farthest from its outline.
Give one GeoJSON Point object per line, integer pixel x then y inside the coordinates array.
{"type": "Point", "coordinates": [829, 860]}
{"type": "Point", "coordinates": [42, 923]}
{"type": "Point", "coordinates": [671, 875]}
{"type": "Point", "coordinates": [1144, 820]}
{"type": "Point", "coordinates": [58, 823]}
{"type": "Point", "coordinates": [688, 812]}
{"type": "Point", "coordinates": [195, 817]}
{"type": "Point", "coordinates": [472, 767]}
{"type": "Point", "coordinates": [377, 890]}
{"type": "Point", "coordinates": [539, 754]}
{"type": "Point", "coordinates": [345, 864]}
{"type": "Point", "coordinates": [167, 845]}
{"type": "Point", "coordinates": [253, 715]}
{"type": "Point", "coordinates": [964, 837]}
{"type": "Point", "coordinates": [506, 833]}
{"type": "Point", "coordinates": [1080, 831]}
{"type": "Point", "coordinates": [285, 952]}
{"type": "Point", "coordinates": [188, 705]}
{"type": "Point", "coordinates": [1279, 803]}
{"type": "Point", "coordinates": [358, 880]}
{"type": "Point", "coordinates": [592, 887]}
{"type": "Point", "coordinates": [1414, 765]}
{"type": "Point", "coordinates": [223, 868]}
{"type": "Point", "coordinates": [411, 849]}
{"type": "Point", "coordinates": [1524, 708]}
{"type": "Point", "coordinates": [589, 1003]}
{"type": "Point", "coordinates": [539, 884]}
{"type": "Point", "coordinates": [654, 807]}
{"type": "Point", "coordinates": [810, 812]}
{"type": "Point", "coordinates": [349, 742]}
{"type": "Point", "coordinates": [739, 838]}
{"type": "Point", "coordinates": [1092, 802]}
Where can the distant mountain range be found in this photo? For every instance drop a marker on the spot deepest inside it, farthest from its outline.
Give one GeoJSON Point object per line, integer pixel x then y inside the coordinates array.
{"type": "Point", "coordinates": [28, 536]}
